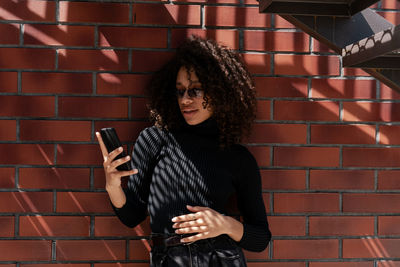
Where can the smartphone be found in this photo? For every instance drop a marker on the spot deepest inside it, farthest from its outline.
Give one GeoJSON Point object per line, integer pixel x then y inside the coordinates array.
{"type": "Point", "coordinates": [111, 141]}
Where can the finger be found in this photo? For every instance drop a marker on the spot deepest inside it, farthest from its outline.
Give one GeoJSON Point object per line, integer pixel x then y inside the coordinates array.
{"type": "Point", "coordinates": [110, 157]}
{"type": "Point", "coordinates": [191, 230]}
{"type": "Point", "coordinates": [102, 146]}
{"type": "Point", "coordinates": [120, 161]}
{"type": "Point", "coordinates": [196, 208]}
{"type": "Point", "coordinates": [128, 173]}
{"type": "Point", "coordinates": [194, 238]}
{"type": "Point", "coordinates": [198, 222]}
{"type": "Point", "coordinates": [184, 218]}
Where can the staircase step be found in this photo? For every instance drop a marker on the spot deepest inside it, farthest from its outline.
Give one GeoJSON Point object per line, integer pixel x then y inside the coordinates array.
{"type": "Point", "coordinates": [381, 51]}
{"type": "Point", "coordinates": [338, 8]}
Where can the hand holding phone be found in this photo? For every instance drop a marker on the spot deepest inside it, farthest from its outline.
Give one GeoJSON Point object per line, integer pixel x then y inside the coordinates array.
{"type": "Point", "coordinates": [112, 142]}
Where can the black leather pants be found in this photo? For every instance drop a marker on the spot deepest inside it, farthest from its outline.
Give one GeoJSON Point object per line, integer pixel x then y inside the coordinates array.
{"type": "Point", "coordinates": [219, 251]}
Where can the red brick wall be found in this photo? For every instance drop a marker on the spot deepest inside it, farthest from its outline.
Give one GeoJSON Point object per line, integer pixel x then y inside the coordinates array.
{"type": "Point", "coordinates": [326, 138]}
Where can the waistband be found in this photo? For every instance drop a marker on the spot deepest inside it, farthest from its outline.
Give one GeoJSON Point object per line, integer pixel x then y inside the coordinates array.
{"type": "Point", "coordinates": [169, 240]}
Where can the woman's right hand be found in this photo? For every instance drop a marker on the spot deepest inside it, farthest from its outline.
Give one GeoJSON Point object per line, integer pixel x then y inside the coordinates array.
{"type": "Point", "coordinates": [113, 176]}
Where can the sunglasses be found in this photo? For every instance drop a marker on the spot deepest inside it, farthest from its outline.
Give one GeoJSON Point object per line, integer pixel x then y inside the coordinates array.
{"type": "Point", "coordinates": [192, 92]}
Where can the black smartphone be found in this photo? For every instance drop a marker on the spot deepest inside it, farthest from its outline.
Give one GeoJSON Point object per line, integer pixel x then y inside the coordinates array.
{"type": "Point", "coordinates": [111, 141]}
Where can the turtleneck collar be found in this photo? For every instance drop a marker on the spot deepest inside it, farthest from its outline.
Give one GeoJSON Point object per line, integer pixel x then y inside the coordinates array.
{"type": "Point", "coordinates": [208, 127]}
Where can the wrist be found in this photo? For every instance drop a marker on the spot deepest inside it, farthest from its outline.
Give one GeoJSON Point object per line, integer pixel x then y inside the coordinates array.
{"type": "Point", "coordinates": [234, 228]}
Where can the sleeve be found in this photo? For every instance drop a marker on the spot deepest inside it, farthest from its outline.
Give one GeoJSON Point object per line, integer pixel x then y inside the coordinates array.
{"type": "Point", "coordinates": [256, 233]}
{"type": "Point", "coordinates": [144, 156]}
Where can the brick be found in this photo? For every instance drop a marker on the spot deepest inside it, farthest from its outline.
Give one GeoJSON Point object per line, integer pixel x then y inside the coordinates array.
{"type": "Point", "coordinates": [321, 47]}
{"type": "Point", "coordinates": [9, 33]}
{"type": "Point", "coordinates": [367, 111]}
{"type": "Point", "coordinates": [341, 180]}
{"type": "Point", "coordinates": [235, 17]}
{"type": "Point", "coordinates": [7, 178]}
{"type": "Point", "coordinates": [79, 154]}
{"type": "Point", "coordinates": [354, 72]}
{"type": "Point", "coordinates": [27, 58]}
{"type": "Point", "coordinates": [343, 134]}
{"type": "Point", "coordinates": [390, 4]}
{"type": "Point", "coordinates": [283, 179]}
{"type": "Point", "coordinates": [78, 59]}
{"type": "Point", "coordinates": [30, 10]}
{"type": "Point", "coordinates": [55, 130]}
{"type": "Point", "coordinates": [287, 225]}
{"type": "Point", "coordinates": [263, 110]}
{"type": "Point", "coordinates": [92, 250]}
{"type": "Point", "coordinates": [387, 263]}
{"type": "Point", "coordinates": [306, 110]}
{"type": "Point", "coordinates": [54, 178]}
{"type": "Point", "coordinates": [83, 202]}
{"type": "Point", "coordinates": [343, 88]}
{"type": "Point", "coordinates": [139, 249]}
{"type": "Point", "coordinates": [261, 154]}
{"type": "Point", "coordinates": [57, 265]}
{"type": "Point", "coordinates": [388, 225]}
{"type": "Point", "coordinates": [8, 130]}
{"type": "Point", "coordinates": [143, 61]}
{"type": "Point", "coordinates": [388, 93]}
{"type": "Point", "coordinates": [371, 248]}
{"type": "Point", "coordinates": [122, 84]}
{"type": "Point", "coordinates": [388, 180]}
{"type": "Point", "coordinates": [306, 202]}
{"type": "Point", "coordinates": [281, 23]}
{"type": "Point", "coordinates": [57, 35]}
{"type": "Point", "coordinates": [25, 250]}
{"type": "Point", "coordinates": [306, 156]}
{"type": "Point", "coordinates": [371, 157]}
{"type": "Point", "coordinates": [9, 82]}
{"type": "Point", "coordinates": [106, 226]}
{"type": "Point", "coordinates": [275, 264]}
{"type": "Point", "coordinates": [90, 107]}
{"type": "Point", "coordinates": [51, 82]}
{"type": "Point", "coordinates": [341, 226]}
{"type": "Point", "coordinates": [94, 12]}
{"type": "Point", "coordinates": [373, 203]}
{"type": "Point", "coordinates": [166, 14]}
{"type": "Point", "coordinates": [54, 226]}
{"type": "Point", "coordinates": [392, 17]}
{"type": "Point", "coordinates": [229, 38]}
{"type": "Point", "coordinates": [306, 65]}
{"type": "Point", "coordinates": [31, 154]}
{"type": "Point", "coordinates": [33, 106]}
{"type": "Point", "coordinates": [6, 226]}
{"type": "Point", "coordinates": [389, 134]}
{"type": "Point", "coordinates": [26, 202]}
{"type": "Point", "coordinates": [258, 63]}
{"type": "Point", "coordinates": [275, 41]}
{"type": "Point", "coordinates": [279, 133]}
{"type": "Point", "coordinates": [128, 131]}
{"type": "Point", "coordinates": [342, 264]}
{"type": "Point", "coordinates": [121, 264]}
{"type": "Point", "coordinates": [139, 109]}
{"type": "Point", "coordinates": [133, 37]}
{"type": "Point", "coordinates": [305, 249]}
{"type": "Point", "coordinates": [281, 87]}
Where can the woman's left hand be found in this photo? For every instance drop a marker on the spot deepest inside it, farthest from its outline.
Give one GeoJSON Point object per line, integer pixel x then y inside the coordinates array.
{"type": "Point", "coordinates": [205, 223]}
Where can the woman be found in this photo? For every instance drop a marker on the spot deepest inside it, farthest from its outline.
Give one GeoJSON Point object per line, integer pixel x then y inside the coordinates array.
{"type": "Point", "coordinates": [188, 167]}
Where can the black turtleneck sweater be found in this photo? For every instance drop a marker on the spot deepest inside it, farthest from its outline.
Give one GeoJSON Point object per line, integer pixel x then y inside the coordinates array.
{"type": "Point", "coordinates": [188, 168]}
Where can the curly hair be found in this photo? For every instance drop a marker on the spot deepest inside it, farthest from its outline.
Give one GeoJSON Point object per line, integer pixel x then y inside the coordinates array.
{"type": "Point", "coordinates": [228, 88]}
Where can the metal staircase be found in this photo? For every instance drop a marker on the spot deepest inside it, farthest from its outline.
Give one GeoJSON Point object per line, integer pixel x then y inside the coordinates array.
{"type": "Point", "coordinates": [363, 38]}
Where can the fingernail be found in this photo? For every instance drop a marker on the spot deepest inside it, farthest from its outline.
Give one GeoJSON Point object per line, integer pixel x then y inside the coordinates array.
{"type": "Point", "coordinates": [174, 219]}
{"type": "Point", "coordinates": [127, 157]}
{"type": "Point", "coordinates": [120, 148]}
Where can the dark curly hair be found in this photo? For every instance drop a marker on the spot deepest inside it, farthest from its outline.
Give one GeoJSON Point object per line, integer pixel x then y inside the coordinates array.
{"type": "Point", "coordinates": [228, 88]}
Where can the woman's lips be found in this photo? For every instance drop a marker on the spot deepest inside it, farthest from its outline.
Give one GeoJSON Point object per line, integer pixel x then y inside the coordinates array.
{"type": "Point", "coordinates": [189, 112]}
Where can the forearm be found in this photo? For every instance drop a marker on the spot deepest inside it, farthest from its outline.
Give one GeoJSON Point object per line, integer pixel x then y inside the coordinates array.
{"type": "Point", "coordinates": [234, 229]}
{"type": "Point", "coordinates": [117, 195]}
